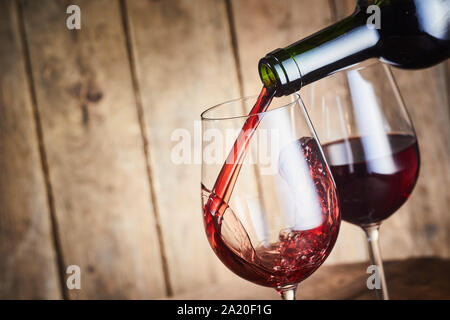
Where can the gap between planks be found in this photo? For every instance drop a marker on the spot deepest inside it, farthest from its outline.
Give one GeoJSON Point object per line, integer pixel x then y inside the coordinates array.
{"type": "Point", "coordinates": [42, 152]}
{"type": "Point", "coordinates": [237, 62]}
{"type": "Point", "coordinates": [142, 125]}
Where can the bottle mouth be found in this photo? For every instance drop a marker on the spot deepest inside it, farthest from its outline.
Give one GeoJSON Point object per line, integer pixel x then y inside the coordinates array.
{"type": "Point", "coordinates": [266, 74]}
{"type": "Point", "coordinates": [269, 75]}
{"type": "Point", "coordinates": [278, 70]}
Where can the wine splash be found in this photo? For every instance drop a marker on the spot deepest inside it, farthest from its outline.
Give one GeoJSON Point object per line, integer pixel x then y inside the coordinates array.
{"type": "Point", "coordinates": [296, 253]}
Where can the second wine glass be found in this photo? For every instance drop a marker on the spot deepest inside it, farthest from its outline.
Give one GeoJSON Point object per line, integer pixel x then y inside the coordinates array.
{"type": "Point", "coordinates": [370, 144]}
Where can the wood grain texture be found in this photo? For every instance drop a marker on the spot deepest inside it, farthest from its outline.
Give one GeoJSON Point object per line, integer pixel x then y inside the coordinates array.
{"type": "Point", "coordinates": [184, 64]}
{"type": "Point", "coordinates": [411, 279]}
{"type": "Point", "coordinates": [275, 24]}
{"type": "Point", "coordinates": [28, 266]}
{"type": "Point", "coordinates": [427, 232]}
{"type": "Point", "coordinates": [94, 146]}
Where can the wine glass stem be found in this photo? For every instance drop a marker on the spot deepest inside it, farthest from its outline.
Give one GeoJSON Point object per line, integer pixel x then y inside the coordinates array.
{"type": "Point", "coordinates": [372, 233]}
{"type": "Point", "coordinates": [288, 293]}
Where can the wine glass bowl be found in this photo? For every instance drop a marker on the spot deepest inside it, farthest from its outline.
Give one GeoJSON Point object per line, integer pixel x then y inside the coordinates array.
{"type": "Point", "coordinates": [282, 216]}
{"type": "Point", "coordinates": [370, 145]}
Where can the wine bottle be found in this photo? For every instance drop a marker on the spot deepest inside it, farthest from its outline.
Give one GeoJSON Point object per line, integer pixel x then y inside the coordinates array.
{"type": "Point", "coordinates": [411, 34]}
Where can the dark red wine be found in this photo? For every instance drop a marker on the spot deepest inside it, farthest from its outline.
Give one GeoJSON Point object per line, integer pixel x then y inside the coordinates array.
{"type": "Point", "coordinates": [297, 253]}
{"type": "Point", "coordinates": [374, 175]}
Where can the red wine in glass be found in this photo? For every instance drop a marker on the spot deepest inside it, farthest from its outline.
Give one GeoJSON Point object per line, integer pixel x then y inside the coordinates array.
{"type": "Point", "coordinates": [373, 182]}
{"type": "Point", "coordinates": [297, 253]}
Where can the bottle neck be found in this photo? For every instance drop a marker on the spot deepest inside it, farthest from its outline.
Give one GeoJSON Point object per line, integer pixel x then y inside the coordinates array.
{"type": "Point", "coordinates": [341, 45]}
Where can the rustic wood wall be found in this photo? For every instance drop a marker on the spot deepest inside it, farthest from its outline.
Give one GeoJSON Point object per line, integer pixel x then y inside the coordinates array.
{"type": "Point", "coordinates": [86, 119]}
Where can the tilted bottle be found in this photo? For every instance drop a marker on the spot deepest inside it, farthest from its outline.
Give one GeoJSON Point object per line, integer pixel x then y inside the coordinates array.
{"type": "Point", "coordinates": [409, 34]}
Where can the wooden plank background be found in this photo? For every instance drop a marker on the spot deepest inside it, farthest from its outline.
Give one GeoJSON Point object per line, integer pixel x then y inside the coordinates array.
{"type": "Point", "coordinates": [86, 120]}
{"type": "Point", "coordinates": [28, 264]}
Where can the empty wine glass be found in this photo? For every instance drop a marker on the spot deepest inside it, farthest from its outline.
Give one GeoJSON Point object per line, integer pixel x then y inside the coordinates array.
{"type": "Point", "coordinates": [370, 144]}
{"type": "Point", "coordinates": [279, 217]}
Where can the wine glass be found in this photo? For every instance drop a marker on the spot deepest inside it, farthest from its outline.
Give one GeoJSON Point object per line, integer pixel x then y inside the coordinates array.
{"type": "Point", "coordinates": [370, 145]}
{"type": "Point", "coordinates": [279, 218]}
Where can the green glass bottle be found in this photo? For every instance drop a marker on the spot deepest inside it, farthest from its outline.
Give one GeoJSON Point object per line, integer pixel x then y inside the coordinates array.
{"type": "Point", "coordinates": [410, 34]}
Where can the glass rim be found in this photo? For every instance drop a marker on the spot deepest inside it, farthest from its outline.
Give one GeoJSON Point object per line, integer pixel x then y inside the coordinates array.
{"type": "Point", "coordinates": [243, 116]}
